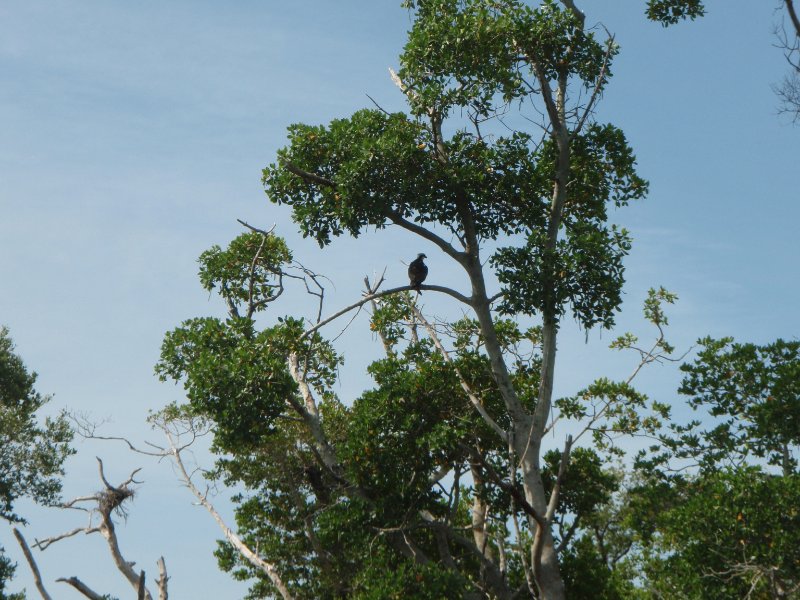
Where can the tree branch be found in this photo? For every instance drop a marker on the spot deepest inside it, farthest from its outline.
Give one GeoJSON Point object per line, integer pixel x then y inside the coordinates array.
{"type": "Point", "coordinates": [307, 176]}
{"type": "Point", "coordinates": [793, 16]}
{"type": "Point", "coordinates": [81, 587]}
{"type": "Point", "coordinates": [267, 568]}
{"type": "Point", "coordinates": [162, 580]}
{"type": "Point", "coordinates": [37, 577]}
{"type": "Point", "coordinates": [597, 87]}
{"type": "Point", "coordinates": [578, 14]}
{"type": "Point", "coordinates": [370, 297]}
{"type": "Point", "coordinates": [396, 218]}
{"type": "Point", "coordinates": [562, 469]}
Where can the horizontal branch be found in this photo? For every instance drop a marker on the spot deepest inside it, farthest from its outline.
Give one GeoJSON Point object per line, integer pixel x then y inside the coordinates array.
{"type": "Point", "coordinates": [369, 297]}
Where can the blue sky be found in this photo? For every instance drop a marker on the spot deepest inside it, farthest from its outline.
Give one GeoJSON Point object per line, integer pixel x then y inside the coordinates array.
{"type": "Point", "coordinates": [132, 136]}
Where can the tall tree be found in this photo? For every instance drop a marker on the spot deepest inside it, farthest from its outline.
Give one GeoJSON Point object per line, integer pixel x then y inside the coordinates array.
{"type": "Point", "coordinates": [424, 475]}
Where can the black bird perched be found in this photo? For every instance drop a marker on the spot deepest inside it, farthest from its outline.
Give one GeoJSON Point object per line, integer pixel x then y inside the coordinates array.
{"type": "Point", "coordinates": [417, 272]}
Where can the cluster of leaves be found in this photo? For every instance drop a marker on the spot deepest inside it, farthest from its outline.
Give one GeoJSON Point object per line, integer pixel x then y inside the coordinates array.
{"type": "Point", "coordinates": [7, 569]}
{"type": "Point", "coordinates": [32, 454]}
{"type": "Point", "coordinates": [754, 390]}
{"type": "Point", "coordinates": [249, 271]}
{"type": "Point", "coordinates": [585, 268]}
{"type": "Point", "coordinates": [726, 534]}
{"type": "Point", "coordinates": [478, 55]}
{"type": "Point", "coordinates": [724, 524]}
{"type": "Point", "coordinates": [670, 12]}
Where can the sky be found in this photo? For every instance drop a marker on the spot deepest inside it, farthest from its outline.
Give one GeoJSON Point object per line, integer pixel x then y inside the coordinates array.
{"type": "Point", "coordinates": [132, 137]}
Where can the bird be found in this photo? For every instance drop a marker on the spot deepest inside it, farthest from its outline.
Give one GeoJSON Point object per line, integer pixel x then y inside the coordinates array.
{"type": "Point", "coordinates": [417, 272]}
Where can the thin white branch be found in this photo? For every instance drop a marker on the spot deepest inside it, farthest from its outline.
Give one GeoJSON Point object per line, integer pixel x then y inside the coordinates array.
{"type": "Point", "coordinates": [81, 587]}
{"type": "Point", "coordinates": [267, 568]}
{"type": "Point", "coordinates": [37, 577]}
{"type": "Point", "coordinates": [562, 470]}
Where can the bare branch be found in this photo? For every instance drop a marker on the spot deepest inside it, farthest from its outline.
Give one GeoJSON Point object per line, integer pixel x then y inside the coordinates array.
{"type": "Point", "coordinates": [598, 85]}
{"type": "Point", "coordinates": [162, 580]}
{"type": "Point", "coordinates": [372, 289]}
{"type": "Point", "coordinates": [251, 306]}
{"type": "Point", "coordinates": [793, 16]}
{"type": "Point", "coordinates": [267, 568]}
{"type": "Point", "coordinates": [81, 587]}
{"type": "Point", "coordinates": [37, 577]}
{"type": "Point", "coordinates": [256, 229]}
{"type": "Point", "coordinates": [140, 591]}
{"type": "Point", "coordinates": [370, 297]}
{"type": "Point", "coordinates": [562, 469]}
{"type": "Point", "coordinates": [506, 486]}
{"type": "Point", "coordinates": [378, 106]}
{"type": "Point", "coordinates": [310, 415]}
{"type": "Point", "coordinates": [43, 544]}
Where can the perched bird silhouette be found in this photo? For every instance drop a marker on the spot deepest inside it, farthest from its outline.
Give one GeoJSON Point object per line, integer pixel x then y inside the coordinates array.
{"type": "Point", "coordinates": [417, 272]}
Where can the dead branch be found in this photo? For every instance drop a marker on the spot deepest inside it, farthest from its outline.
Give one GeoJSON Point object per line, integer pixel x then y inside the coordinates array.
{"type": "Point", "coordinates": [107, 501]}
{"type": "Point", "coordinates": [37, 577]}
{"type": "Point", "coordinates": [81, 587]}
{"type": "Point", "coordinates": [161, 582]}
{"type": "Point", "coordinates": [267, 568]}
{"type": "Point", "coordinates": [140, 591]}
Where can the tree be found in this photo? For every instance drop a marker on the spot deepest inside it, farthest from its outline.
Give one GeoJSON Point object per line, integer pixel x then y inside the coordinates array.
{"type": "Point", "coordinates": [100, 506]}
{"type": "Point", "coordinates": [31, 454]}
{"type": "Point", "coordinates": [436, 474]}
{"type": "Point", "coordinates": [711, 511]}
{"type": "Point", "coordinates": [753, 392]}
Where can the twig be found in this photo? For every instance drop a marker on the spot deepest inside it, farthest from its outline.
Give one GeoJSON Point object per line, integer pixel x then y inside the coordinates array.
{"type": "Point", "coordinates": [378, 106]}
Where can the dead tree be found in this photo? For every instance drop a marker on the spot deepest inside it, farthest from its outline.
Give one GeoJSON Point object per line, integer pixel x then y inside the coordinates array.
{"type": "Point", "coordinates": [100, 507]}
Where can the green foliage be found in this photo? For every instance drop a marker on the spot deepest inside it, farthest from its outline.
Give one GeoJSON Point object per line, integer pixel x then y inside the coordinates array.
{"type": "Point", "coordinates": [587, 485]}
{"type": "Point", "coordinates": [730, 532]}
{"type": "Point", "coordinates": [237, 376]}
{"type": "Point", "coordinates": [31, 455]}
{"type": "Point", "coordinates": [373, 168]}
{"type": "Point", "coordinates": [249, 270]}
{"type": "Point", "coordinates": [386, 578]}
{"type": "Point", "coordinates": [7, 569]}
{"type": "Point", "coordinates": [753, 392]}
{"type": "Point", "coordinates": [587, 576]}
{"type": "Point", "coordinates": [351, 499]}
{"type": "Point", "coordinates": [470, 53]}
{"type": "Point", "coordinates": [670, 12]}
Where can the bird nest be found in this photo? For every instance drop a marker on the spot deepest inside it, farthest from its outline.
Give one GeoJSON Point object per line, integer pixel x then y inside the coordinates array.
{"type": "Point", "coordinates": [111, 499]}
